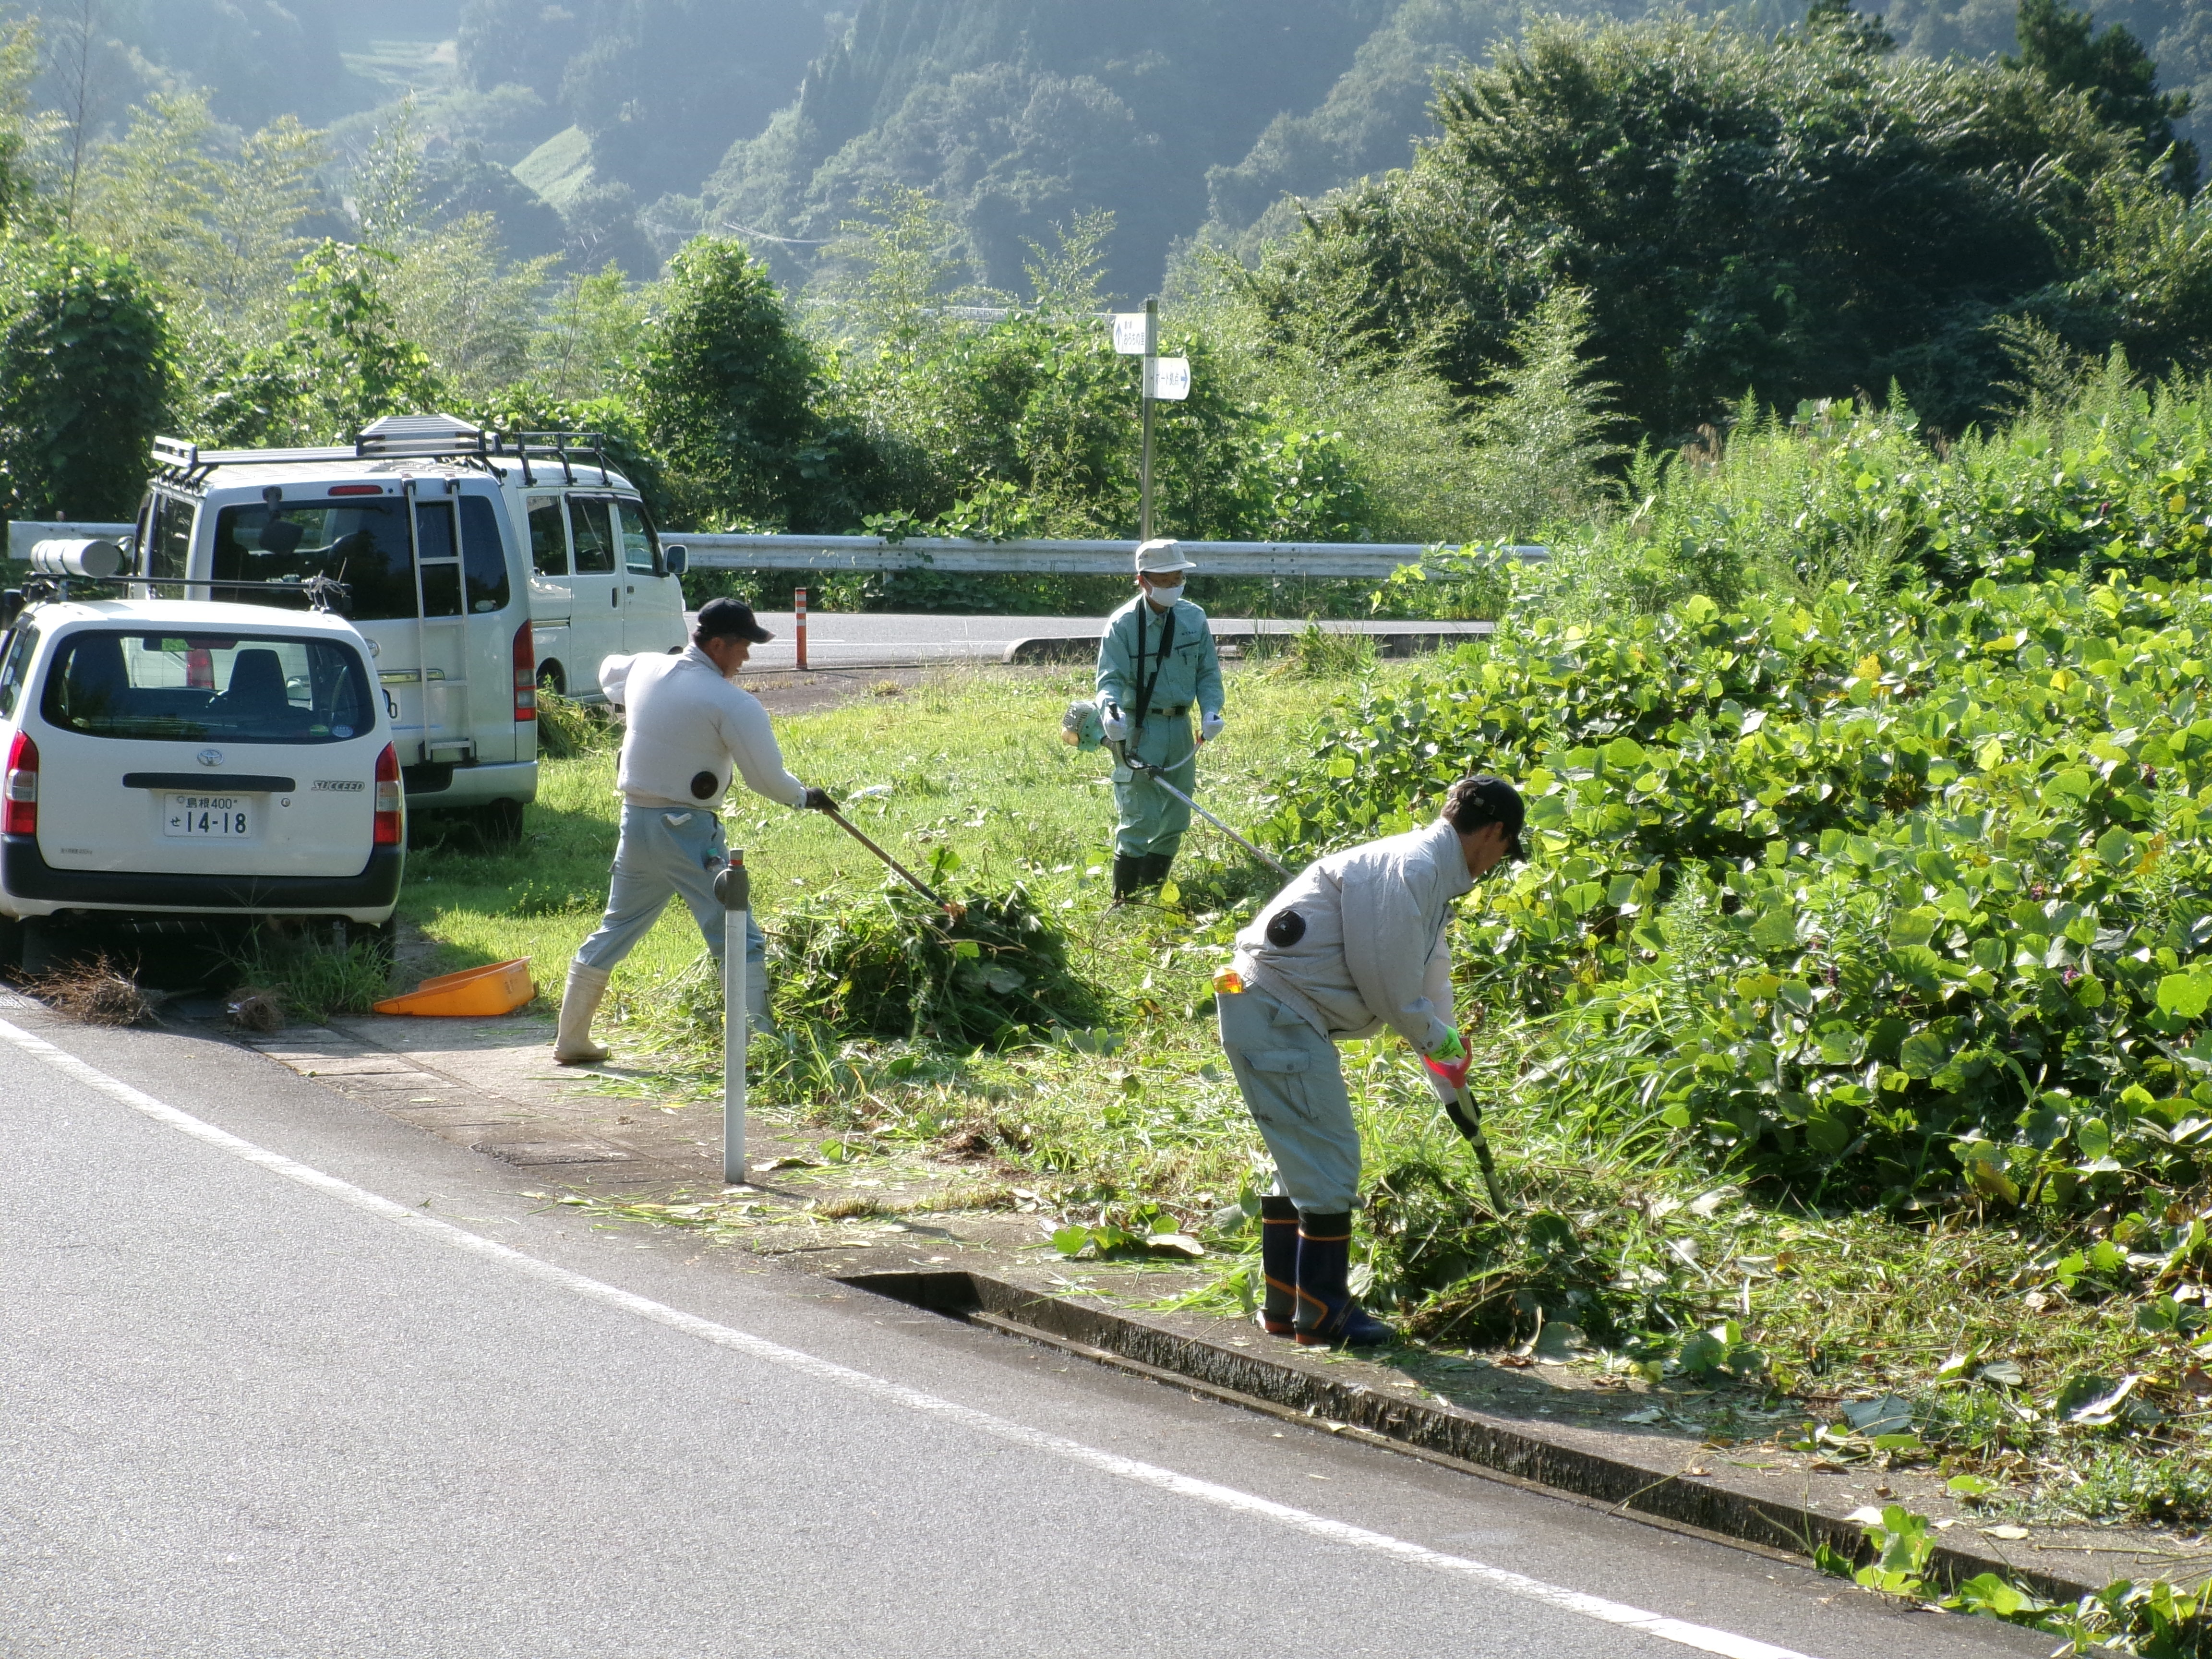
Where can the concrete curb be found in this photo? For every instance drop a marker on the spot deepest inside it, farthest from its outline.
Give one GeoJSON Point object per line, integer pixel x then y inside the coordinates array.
{"type": "Point", "coordinates": [1475, 1442]}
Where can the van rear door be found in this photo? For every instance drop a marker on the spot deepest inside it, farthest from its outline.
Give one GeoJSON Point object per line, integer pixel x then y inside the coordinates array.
{"type": "Point", "coordinates": [233, 753]}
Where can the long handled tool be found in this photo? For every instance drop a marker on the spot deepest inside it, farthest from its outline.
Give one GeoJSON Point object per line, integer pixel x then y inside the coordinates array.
{"type": "Point", "coordinates": [1154, 773]}
{"type": "Point", "coordinates": [951, 907]}
{"type": "Point", "coordinates": [1466, 1118]}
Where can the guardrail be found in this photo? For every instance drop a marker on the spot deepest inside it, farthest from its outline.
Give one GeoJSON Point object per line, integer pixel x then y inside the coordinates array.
{"type": "Point", "coordinates": [1373, 559]}
{"type": "Point", "coordinates": [24, 534]}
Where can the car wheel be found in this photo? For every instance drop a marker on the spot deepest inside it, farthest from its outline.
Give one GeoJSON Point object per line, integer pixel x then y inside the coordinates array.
{"type": "Point", "coordinates": [11, 943]}
{"type": "Point", "coordinates": [498, 824]}
{"type": "Point", "coordinates": [41, 948]}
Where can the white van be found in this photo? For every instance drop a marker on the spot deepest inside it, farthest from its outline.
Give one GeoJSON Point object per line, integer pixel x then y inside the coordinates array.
{"type": "Point", "coordinates": [171, 764]}
{"type": "Point", "coordinates": [480, 566]}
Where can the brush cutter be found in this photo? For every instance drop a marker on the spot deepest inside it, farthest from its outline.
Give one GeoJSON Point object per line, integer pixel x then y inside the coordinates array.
{"type": "Point", "coordinates": [1082, 727]}
{"type": "Point", "coordinates": [1466, 1118]}
{"type": "Point", "coordinates": [951, 907]}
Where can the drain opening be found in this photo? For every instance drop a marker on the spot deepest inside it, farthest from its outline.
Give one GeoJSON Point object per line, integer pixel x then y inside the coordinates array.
{"type": "Point", "coordinates": [951, 1294]}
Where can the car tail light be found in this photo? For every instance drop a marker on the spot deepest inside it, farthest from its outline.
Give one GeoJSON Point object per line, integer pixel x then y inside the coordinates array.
{"type": "Point", "coordinates": [391, 805]}
{"type": "Point", "coordinates": [525, 673]}
{"type": "Point", "coordinates": [21, 788]}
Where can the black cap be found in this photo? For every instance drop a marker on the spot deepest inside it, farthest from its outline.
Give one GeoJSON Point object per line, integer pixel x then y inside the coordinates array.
{"type": "Point", "coordinates": [729, 619]}
{"type": "Point", "coordinates": [1473, 802]}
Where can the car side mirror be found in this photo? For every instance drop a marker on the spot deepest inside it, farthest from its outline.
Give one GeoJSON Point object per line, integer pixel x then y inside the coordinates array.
{"type": "Point", "coordinates": [676, 560]}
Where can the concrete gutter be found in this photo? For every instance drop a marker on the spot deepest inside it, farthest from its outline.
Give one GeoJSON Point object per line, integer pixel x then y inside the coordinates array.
{"type": "Point", "coordinates": [1637, 1473]}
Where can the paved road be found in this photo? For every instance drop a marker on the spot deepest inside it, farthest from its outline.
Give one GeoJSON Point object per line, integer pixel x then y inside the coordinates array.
{"type": "Point", "coordinates": [374, 1402]}
{"type": "Point", "coordinates": [837, 640]}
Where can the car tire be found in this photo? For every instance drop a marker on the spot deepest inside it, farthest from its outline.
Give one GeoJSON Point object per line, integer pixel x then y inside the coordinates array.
{"type": "Point", "coordinates": [498, 824]}
{"type": "Point", "coordinates": [11, 943]}
{"type": "Point", "coordinates": [40, 951]}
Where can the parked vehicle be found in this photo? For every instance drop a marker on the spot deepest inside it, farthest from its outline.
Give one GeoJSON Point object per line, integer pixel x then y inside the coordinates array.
{"type": "Point", "coordinates": [481, 565]}
{"type": "Point", "coordinates": [173, 765]}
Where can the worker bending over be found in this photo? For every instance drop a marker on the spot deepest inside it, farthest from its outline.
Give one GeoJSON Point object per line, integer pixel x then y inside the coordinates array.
{"type": "Point", "coordinates": [1157, 666]}
{"type": "Point", "coordinates": [1353, 944]}
{"type": "Point", "coordinates": [687, 727]}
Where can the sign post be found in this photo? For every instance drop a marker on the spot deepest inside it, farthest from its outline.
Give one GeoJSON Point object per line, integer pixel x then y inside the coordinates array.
{"type": "Point", "coordinates": [733, 886]}
{"type": "Point", "coordinates": [799, 622]}
{"type": "Point", "coordinates": [1137, 334]}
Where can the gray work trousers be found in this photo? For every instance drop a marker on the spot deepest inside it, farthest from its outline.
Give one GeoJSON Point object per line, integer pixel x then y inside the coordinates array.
{"type": "Point", "coordinates": [664, 851]}
{"type": "Point", "coordinates": [1294, 1085]}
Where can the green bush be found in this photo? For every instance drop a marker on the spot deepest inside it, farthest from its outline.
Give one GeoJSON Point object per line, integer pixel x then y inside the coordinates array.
{"type": "Point", "coordinates": [1875, 902]}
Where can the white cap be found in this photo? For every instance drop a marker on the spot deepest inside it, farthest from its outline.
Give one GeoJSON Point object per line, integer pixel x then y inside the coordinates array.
{"type": "Point", "coordinates": [1156, 558]}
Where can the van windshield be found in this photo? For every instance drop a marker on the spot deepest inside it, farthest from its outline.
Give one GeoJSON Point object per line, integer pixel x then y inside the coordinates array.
{"type": "Point", "coordinates": [188, 688]}
{"type": "Point", "coordinates": [363, 543]}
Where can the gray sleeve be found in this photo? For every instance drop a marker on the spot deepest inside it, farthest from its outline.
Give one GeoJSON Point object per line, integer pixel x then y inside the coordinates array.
{"type": "Point", "coordinates": [751, 743]}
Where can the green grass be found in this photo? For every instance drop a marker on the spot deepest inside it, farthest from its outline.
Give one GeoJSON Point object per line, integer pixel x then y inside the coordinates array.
{"type": "Point", "coordinates": [1137, 1125]}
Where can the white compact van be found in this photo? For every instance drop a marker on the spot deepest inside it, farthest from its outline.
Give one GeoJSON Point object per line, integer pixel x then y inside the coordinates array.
{"type": "Point", "coordinates": [478, 566]}
{"type": "Point", "coordinates": [173, 765]}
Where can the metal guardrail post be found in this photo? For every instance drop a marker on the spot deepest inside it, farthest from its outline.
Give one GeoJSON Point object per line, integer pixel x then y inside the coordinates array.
{"type": "Point", "coordinates": [733, 886]}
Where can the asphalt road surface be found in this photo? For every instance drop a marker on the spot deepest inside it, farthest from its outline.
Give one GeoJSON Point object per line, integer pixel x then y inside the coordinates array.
{"type": "Point", "coordinates": [279, 1377]}
{"type": "Point", "coordinates": [841, 639]}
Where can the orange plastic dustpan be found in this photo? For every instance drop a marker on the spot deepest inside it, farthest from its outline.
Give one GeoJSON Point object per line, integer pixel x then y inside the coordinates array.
{"type": "Point", "coordinates": [499, 989]}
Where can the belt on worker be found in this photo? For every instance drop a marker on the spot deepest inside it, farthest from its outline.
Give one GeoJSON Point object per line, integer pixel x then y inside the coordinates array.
{"type": "Point", "coordinates": [1174, 714]}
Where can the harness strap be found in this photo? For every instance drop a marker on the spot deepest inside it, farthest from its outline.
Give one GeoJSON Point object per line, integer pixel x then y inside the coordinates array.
{"type": "Point", "coordinates": [1167, 642]}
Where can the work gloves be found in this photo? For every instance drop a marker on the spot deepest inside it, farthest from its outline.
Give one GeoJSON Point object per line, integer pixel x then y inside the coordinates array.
{"type": "Point", "coordinates": [819, 800]}
{"type": "Point", "coordinates": [1115, 723]}
{"type": "Point", "coordinates": [1447, 1059]}
{"type": "Point", "coordinates": [1209, 726]}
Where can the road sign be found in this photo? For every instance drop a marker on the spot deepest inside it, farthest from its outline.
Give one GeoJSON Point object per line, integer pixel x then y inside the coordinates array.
{"type": "Point", "coordinates": [1170, 379]}
{"type": "Point", "coordinates": [1130, 337]}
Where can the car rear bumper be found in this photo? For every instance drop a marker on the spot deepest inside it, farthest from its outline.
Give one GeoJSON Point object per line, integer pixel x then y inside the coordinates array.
{"type": "Point", "coordinates": [31, 886]}
{"type": "Point", "coordinates": [444, 787]}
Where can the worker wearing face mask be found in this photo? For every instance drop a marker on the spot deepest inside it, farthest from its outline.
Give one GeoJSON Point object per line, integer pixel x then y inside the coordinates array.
{"type": "Point", "coordinates": [1157, 670]}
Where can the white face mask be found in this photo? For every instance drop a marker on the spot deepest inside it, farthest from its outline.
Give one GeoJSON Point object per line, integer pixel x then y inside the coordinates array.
{"type": "Point", "coordinates": [1164, 597]}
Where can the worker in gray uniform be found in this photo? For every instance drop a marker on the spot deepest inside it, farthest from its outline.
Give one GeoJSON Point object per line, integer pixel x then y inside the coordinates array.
{"type": "Point", "coordinates": [689, 729]}
{"type": "Point", "coordinates": [1355, 943]}
{"type": "Point", "coordinates": [1157, 667]}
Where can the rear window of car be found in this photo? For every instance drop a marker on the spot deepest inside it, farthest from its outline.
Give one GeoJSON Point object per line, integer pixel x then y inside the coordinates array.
{"type": "Point", "coordinates": [363, 543]}
{"type": "Point", "coordinates": [187, 688]}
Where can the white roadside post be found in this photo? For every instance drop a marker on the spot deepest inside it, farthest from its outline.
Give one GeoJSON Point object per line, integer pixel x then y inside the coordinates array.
{"type": "Point", "coordinates": [733, 886]}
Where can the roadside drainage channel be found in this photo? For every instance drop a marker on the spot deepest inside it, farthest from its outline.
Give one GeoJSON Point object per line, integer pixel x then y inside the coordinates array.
{"type": "Point", "coordinates": [1469, 1441]}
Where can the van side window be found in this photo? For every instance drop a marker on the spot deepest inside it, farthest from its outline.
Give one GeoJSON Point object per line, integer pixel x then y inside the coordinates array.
{"type": "Point", "coordinates": [483, 555]}
{"type": "Point", "coordinates": [593, 525]}
{"type": "Point", "coordinates": [641, 546]}
{"type": "Point", "coordinates": [169, 545]}
{"type": "Point", "coordinates": [549, 544]}
{"type": "Point", "coordinates": [14, 665]}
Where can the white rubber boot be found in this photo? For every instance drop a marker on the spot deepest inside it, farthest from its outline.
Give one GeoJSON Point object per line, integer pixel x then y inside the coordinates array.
{"type": "Point", "coordinates": [580, 1000]}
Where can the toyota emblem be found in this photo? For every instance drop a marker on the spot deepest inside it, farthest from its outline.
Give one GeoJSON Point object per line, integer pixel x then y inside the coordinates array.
{"type": "Point", "coordinates": [209, 757]}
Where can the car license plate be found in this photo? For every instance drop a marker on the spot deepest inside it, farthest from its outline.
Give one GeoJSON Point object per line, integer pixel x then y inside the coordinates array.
{"type": "Point", "coordinates": [207, 816]}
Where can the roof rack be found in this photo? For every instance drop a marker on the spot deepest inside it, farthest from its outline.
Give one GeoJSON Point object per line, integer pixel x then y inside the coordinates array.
{"type": "Point", "coordinates": [323, 593]}
{"type": "Point", "coordinates": [396, 437]}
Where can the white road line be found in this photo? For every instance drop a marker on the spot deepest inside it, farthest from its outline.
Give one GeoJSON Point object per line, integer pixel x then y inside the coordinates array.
{"type": "Point", "coordinates": [1701, 1638]}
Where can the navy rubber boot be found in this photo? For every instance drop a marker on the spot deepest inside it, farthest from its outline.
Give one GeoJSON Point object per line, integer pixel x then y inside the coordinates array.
{"type": "Point", "coordinates": [1157, 866]}
{"type": "Point", "coordinates": [1278, 1262]}
{"type": "Point", "coordinates": [1327, 1317]}
{"type": "Point", "coordinates": [1128, 876]}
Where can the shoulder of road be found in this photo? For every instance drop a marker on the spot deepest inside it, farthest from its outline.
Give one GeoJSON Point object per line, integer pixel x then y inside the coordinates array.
{"type": "Point", "coordinates": [954, 1234]}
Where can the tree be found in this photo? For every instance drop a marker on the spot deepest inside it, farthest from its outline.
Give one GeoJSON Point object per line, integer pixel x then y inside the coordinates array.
{"type": "Point", "coordinates": [2117, 76]}
{"type": "Point", "coordinates": [351, 362]}
{"type": "Point", "coordinates": [84, 352]}
{"type": "Point", "coordinates": [725, 387]}
{"type": "Point", "coordinates": [1797, 215]}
